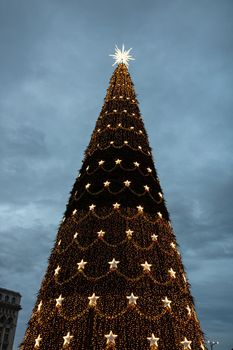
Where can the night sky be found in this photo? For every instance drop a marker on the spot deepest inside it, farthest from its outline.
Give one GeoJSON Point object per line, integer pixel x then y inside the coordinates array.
{"type": "Point", "coordinates": [54, 72]}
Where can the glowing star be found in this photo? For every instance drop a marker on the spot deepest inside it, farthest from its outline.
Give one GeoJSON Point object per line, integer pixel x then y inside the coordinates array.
{"type": "Point", "coordinates": [126, 142]}
{"type": "Point", "coordinates": [136, 164]}
{"type": "Point", "coordinates": [129, 233]}
{"type": "Point", "coordinates": [111, 142]}
{"type": "Point", "coordinates": [116, 205]}
{"type": "Point", "coordinates": [122, 56]}
{"type": "Point", "coordinates": [92, 207]}
{"type": "Point", "coordinates": [166, 302]}
{"type": "Point", "coordinates": [106, 183]}
{"type": "Point", "coordinates": [67, 338]}
{"type": "Point", "coordinates": [93, 300]}
{"type": "Point", "coordinates": [184, 278]}
{"type": "Point", "coordinates": [153, 340]}
{"type": "Point", "coordinates": [56, 272]}
{"type": "Point", "coordinates": [154, 237]}
{"type": "Point", "coordinates": [37, 341]}
{"type": "Point", "coordinates": [87, 185]}
{"type": "Point", "coordinates": [160, 195]}
{"type": "Point", "coordinates": [139, 147]}
{"type": "Point", "coordinates": [173, 245]}
{"type": "Point", "coordinates": [74, 211]}
{"type": "Point", "coordinates": [159, 214]}
{"type": "Point", "coordinates": [186, 343]}
{"type": "Point", "coordinates": [59, 301]}
{"type": "Point", "coordinates": [75, 235]}
{"type": "Point", "coordinates": [101, 162]}
{"type": "Point", "coordinates": [140, 208]}
{"type": "Point", "coordinates": [59, 243]}
{"type": "Point", "coordinates": [81, 264]}
{"type": "Point", "coordinates": [113, 264]}
{"type": "Point", "coordinates": [127, 183]}
{"type": "Point", "coordinates": [147, 188]}
{"type": "Point", "coordinates": [39, 306]}
{"type": "Point", "coordinates": [149, 170]}
{"type": "Point", "coordinates": [189, 310]}
{"type": "Point", "coordinates": [101, 233]}
{"type": "Point", "coordinates": [146, 266]}
{"type": "Point", "coordinates": [132, 299]}
{"type": "Point", "coordinates": [202, 346]}
{"type": "Point", "coordinates": [172, 273]}
{"type": "Point", "coordinates": [118, 161]}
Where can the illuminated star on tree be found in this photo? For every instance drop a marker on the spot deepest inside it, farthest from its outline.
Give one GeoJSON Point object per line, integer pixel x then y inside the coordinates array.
{"type": "Point", "coordinates": [67, 338]}
{"type": "Point", "coordinates": [37, 341]}
{"type": "Point", "coordinates": [132, 299]}
{"type": "Point", "coordinates": [166, 302]}
{"type": "Point", "coordinates": [111, 337]}
{"type": "Point", "coordinates": [81, 264]}
{"type": "Point", "coordinates": [122, 56]}
{"type": "Point", "coordinates": [93, 300]}
{"type": "Point", "coordinates": [116, 205]}
{"type": "Point", "coordinates": [172, 273]}
{"type": "Point", "coordinates": [113, 264]}
{"type": "Point", "coordinates": [101, 233]}
{"type": "Point", "coordinates": [153, 340]}
{"type": "Point", "coordinates": [154, 237]}
{"type": "Point", "coordinates": [186, 343]}
{"type": "Point", "coordinates": [129, 233]}
{"type": "Point", "coordinates": [56, 272]}
{"type": "Point", "coordinates": [146, 266]}
{"type": "Point", "coordinates": [59, 301]}
{"type": "Point", "coordinates": [118, 161]}
{"type": "Point", "coordinates": [39, 306]}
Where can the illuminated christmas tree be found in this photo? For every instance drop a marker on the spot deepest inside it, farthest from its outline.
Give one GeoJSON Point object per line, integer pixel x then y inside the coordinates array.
{"type": "Point", "coordinates": [115, 279]}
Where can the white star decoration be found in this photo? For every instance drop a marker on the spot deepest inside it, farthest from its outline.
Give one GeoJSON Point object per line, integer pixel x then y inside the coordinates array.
{"type": "Point", "coordinates": [147, 188]}
{"type": "Point", "coordinates": [140, 208]}
{"type": "Point", "coordinates": [75, 235]}
{"type": "Point", "coordinates": [81, 264]}
{"type": "Point", "coordinates": [132, 299]}
{"type": "Point", "coordinates": [122, 56]}
{"type": "Point", "coordinates": [136, 164]}
{"type": "Point", "coordinates": [106, 183]}
{"type": "Point", "coordinates": [111, 337]}
{"type": "Point", "coordinates": [146, 266]}
{"type": "Point", "coordinates": [153, 340]}
{"type": "Point", "coordinates": [129, 233]}
{"type": "Point", "coordinates": [186, 343]}
{"type": "Point", "coordinates": [172, 273]}
{"type": "Point", "coordinates": [59, 301]}
{"type": "Point", "coordinates": [127, 183]}
{"type": "Point", "coordinates": [56, 272]}
{"type": "Point", "coordinates": [118, 161]}
{"type": "Point", "coordinates": [154, 237]}
{"type": "Point", "coordinates": [37, 341]}
{"type": "Point", "coordinates": [101, 162]}
{"type": "Point", "coordinates": [87, 185]}
{"type": "Point", "coordinates": [39, 306]}
{"type": "Point", "coordinates": [93, 299]}
{"type": "Point", "coordinates": [113, 264]}
{"type": "Point", "coordinates": [166, 302]}
{"type": "Point", "coordinates": [67, 338]}
{"type": "Point", "coordinates": [116, 205]}
{"type": "Point", "coordinates": [92, 206]}
{"type": "Point", "coordinates": [189, 310]}
{"type": "Point", "coordinates": [159, 214]}
{"type": "Point", "coordinates": [101, 233]}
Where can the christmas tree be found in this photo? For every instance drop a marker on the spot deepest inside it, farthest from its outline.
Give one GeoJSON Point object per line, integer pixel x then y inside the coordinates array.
{"type": "Point", "coordinates": [115, 279]}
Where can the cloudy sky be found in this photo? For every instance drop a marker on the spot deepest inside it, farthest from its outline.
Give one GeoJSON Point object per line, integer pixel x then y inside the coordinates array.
{"type": "Point", "coordinates": [54, 72]}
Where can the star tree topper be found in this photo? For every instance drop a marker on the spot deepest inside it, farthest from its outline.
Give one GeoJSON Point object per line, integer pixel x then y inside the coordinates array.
{"type": "Point", "coordinates": [122, 56]}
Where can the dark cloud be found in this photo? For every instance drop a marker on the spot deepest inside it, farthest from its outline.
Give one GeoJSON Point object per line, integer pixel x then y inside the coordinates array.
{"type": "Point", "coordinates": [54, 69]}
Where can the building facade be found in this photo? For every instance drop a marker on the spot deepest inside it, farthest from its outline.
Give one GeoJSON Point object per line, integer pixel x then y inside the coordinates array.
{"type": "Point", "coordinates": [9, 309]}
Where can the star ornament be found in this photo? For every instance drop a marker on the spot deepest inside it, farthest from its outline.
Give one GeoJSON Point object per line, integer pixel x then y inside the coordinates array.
{"type": "Point", "coordinates": [132, 299]}
{"type": "Point", "coordinates": [37, 341]}
{"type": "Point", "coordinates": [113, 264]}
{"type": "Point", "coordinates": [111, 337]}
{"type": "Point", "coordinates": [122, 56]}
{"type": "Point", "coordinates": [59, 301]}
{"type": "Point", "coordinates": [56, 271]}
{"type": "Point", "coordinates": [81, 264]}
{"type": "Point", "coordinates": [39, 306]}
{"type": "Point", "coordinates": [153, 340]}
{"type": "Point", "coordinates": [186, 343]}
{"type": "Point", "coordinates": [146, 266]}
{"type": "Point", "coordinates": [101, 234]}
{"type": "Point", "coordinates": [166, 302]}
{"type": "Point", "coordinates": [93, 300]}
{"type": "Point", "coordinates": [67, 338]}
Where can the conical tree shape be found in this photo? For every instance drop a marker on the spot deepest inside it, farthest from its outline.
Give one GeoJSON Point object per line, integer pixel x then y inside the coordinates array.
{"type": "Point", "coordinates": [115, 279]}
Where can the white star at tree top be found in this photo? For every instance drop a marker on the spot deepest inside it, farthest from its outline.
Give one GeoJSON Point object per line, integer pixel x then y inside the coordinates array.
{"type": "Point", "coordinates": [37, 341]}
{"type": "Point", "coordinates": [153, 340]}
{"type": "Point", "coordinates": [132, 299]}
{"type": "Point", "coordinates": [122, 56]}
{"type": "Point", "coordinates": [111, 338]}
{"type": "Point", "coordinates": [186, 343]}
{"type": "Point", "coordinates": [67, 338]}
